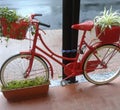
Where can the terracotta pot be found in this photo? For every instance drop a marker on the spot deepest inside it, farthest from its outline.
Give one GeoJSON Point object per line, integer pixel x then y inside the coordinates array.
{"type": "Point", "coordinates": [109, 35]}
{"type": "Point", "coordinates": [26, 93]}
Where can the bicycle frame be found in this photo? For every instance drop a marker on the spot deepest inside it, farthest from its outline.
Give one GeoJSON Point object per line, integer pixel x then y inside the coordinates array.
{"type": "Point", "coordinates": [54, 56]}
{"type": "Point", "coordinates": [98, 58]}
{"type": "Point", "coordinates": [73, 68]}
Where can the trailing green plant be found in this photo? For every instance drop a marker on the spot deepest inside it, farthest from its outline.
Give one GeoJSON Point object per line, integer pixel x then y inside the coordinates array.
{"type": "Point", "coordinates": [16, 84]}
{"type": "Point", "coordinates": [107, 19]}
{"type": "Point", "coordinates": [12, 25]}
{"type": "Point", "coordinates": [10, 15]}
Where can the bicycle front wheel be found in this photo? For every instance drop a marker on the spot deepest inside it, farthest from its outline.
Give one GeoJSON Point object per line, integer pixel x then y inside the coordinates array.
{"type": "Point", "coordinates": [102, 65]}
{"type": "Point", "coordinates": [15, 68]}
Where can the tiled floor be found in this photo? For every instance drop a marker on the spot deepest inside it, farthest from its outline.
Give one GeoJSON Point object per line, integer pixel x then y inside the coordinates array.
{"type": "Point", "coordinates": [81, 96]}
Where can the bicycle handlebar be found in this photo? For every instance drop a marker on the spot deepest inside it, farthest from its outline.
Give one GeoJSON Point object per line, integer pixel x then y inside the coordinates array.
{"type": "Point", "coordinates": [40, 23]}
{"type": "Point", "coordinates": [34, 15]}
{"type": "Point", "coordinates": [43, 24]}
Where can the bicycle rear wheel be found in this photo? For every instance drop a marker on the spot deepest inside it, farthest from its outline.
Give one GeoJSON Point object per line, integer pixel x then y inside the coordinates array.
{"type": "Point", "coordinates": [102, 65]}
{"type": "Point", "coordinates": [15, 68]}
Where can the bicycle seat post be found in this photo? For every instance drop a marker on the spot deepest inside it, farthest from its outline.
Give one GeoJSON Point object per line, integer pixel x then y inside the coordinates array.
{"type": "Point", "coordinates": [82, 39]}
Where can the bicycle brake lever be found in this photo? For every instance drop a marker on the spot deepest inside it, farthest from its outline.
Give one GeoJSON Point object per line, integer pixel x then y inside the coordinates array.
{"type": "Point", "coordinates": [43, 31]}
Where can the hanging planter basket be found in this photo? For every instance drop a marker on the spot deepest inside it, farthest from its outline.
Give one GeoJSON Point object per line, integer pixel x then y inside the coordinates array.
{"type": "Point", "coordinates": [15, 30]}
{"type": "Point", "coordinates": [109, 35]}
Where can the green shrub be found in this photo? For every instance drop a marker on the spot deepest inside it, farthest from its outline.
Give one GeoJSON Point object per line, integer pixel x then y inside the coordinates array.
{"type": "Point", "coordinates": [107, 18]}
{"type": "Point", "coordinates": [10, 15]}
{"type": "Point", "coordinates": [25, 83]}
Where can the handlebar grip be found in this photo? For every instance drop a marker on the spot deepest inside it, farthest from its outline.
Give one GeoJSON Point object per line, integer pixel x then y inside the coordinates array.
{"type": "Point", "coordinates": [43, 24]}
{"type": "Point", "coordinates": [37, 14]}
{"type": "Point", "coordinates": [34, 15]}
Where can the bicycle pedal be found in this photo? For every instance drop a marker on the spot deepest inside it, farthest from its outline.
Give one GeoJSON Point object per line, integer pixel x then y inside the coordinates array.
{"type": "Point", "coordinates": [64, 82]}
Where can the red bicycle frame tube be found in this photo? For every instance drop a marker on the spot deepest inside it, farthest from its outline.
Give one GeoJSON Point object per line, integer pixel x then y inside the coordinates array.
{"type": "Point", "coordinates": [51, 54]}
{"type": "Point", "coordinates": [55, 56]}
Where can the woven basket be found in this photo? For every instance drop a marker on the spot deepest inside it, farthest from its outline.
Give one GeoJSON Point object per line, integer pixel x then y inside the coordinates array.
{"type": "Point", "coordinates": [109, 35]}
{"type": "Point", "coordinates": [14, 30]}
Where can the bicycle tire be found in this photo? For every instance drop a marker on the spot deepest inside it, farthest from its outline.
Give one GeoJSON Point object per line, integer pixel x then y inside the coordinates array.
{"type": "Point", "coordinates": [14, 68]}
{"type": "Point", "coordinates": [93, 69]}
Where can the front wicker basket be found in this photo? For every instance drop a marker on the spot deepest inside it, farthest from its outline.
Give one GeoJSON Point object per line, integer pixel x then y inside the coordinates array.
{"type": "Point", "coordinates": [15, 30]}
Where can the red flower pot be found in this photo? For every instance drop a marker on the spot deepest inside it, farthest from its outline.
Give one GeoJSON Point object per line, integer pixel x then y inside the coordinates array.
{"type": "Point", "coordinates": [26, 93]}
{"type": "Point", "coordinates": [109, 35]}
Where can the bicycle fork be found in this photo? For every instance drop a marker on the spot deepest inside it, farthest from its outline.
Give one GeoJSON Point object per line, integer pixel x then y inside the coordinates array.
{"type": "Point", "coordinates": [27, 72]}
{"type": "Point", "coordinates": [32, 51]}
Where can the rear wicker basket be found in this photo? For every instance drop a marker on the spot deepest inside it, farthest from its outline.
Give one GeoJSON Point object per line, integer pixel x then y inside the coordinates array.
{"type": "Point", "coordinates": [109, 35]}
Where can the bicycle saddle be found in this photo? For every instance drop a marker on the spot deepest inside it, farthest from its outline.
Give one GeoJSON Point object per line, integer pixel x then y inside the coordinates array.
{"type": "Point", "coordinates": [86, 26]}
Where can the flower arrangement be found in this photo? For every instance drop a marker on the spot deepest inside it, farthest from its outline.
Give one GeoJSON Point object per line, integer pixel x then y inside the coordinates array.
{"type": "Point", "coordinates": [12, 25]}
{"type": "Point", "coordinates": [16, 84]}
{"type": "Point", "coordinates": [107, 26]}
{"type": "Point", "coordinates": [107, 19]}
{"type": "Point", "coordinates": [26, 89]}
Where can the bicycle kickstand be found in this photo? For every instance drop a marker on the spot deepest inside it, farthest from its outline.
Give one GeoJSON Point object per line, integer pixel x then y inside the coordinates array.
{"type": "Point", "coordinates": [65, 81]}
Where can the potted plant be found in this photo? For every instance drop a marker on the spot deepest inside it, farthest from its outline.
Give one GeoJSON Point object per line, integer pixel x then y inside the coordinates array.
{"type": "Point", "coordinates": [108, 26]}
{"type": "Point", "coordinates": [25, 89]}
{"type": "Point", "coordinates": [12, 25]}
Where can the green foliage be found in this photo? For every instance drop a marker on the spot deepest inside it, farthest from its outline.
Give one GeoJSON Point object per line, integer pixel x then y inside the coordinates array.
{"type": "Point", "coordinates": [25, 83]}
{"type": "Point", "coordinates": [107, 18]}
{"type": "Point", "coordinates": [10, 15]}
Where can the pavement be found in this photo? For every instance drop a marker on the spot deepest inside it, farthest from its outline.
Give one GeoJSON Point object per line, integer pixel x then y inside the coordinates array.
{"type": "Point", "coordinates": [80, 96]}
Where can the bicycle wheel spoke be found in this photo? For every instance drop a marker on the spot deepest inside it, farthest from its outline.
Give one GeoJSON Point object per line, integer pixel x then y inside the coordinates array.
{"type": "Point", "coordinates": [105, 68]}
{"type": "Point", "coordinates": [108, 55]}
{"type": "Point", "coordinates": [15, 68]}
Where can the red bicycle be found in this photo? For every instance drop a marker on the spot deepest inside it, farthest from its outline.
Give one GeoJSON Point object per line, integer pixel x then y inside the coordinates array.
{"type": "Point", "coordinates": [99, 62]}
